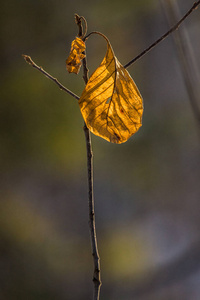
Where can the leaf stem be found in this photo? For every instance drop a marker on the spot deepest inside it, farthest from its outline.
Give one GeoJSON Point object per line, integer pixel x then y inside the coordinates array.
{"type": "Point", "coordinates": [195, 5]}
{"type": "Point", "coordinates": [96, 32]}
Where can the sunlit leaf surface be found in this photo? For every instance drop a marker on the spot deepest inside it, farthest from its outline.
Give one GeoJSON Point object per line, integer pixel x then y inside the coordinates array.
{"type": "Point", "coordinates": [111, 104]}
{"type": "Point", "coordinates": [73, 62]}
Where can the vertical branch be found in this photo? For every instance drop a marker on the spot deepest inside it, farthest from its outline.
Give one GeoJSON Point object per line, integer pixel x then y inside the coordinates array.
{"type": "Point", "coordinates": [92, 227]}
{"type": "Point", "coordinates": [95, 254]}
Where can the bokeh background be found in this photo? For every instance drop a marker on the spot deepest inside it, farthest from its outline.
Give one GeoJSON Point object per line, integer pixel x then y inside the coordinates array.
{"type": "Point", "coordinates": [147, 190]}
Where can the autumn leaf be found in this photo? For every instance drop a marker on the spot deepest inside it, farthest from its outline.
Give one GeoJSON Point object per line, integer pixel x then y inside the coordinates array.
{"type": "Point", "coordinates": [73, 62]}
{"type": "Point", "coordinates": [111, 104]}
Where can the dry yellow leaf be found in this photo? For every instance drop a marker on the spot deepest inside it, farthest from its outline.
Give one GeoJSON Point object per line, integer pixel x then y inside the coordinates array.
{"type": "Point", "coordinates": [73, 62]}
{"type": "Point", "coordinates": [111, 104]}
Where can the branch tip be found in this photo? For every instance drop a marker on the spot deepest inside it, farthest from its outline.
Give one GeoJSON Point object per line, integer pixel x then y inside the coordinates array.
{"type": "Point", "coordinates": [78, 21]}
{"type": "Point", "coordinates": [27, 59]}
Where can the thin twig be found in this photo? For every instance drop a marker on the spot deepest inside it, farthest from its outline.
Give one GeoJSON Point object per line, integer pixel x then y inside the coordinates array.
{"type": "Point", "coordinates": [195, 5]}
{"type": "Point", "coordinates": [62, 87]}
{"type": "Point", "coordinates": [92, 226]}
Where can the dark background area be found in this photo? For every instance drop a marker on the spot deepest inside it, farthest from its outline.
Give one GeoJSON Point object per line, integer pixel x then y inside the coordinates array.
{"type": "Point", "coordinates": [146, 190]}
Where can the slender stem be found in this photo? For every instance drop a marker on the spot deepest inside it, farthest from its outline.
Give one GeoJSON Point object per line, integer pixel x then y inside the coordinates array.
{"type": "Point", "coordinates": [62, 87]}
{"type": "Point", "coordinates": [92, 226]}
{"type": "Point", "coordinates": [195, 5]}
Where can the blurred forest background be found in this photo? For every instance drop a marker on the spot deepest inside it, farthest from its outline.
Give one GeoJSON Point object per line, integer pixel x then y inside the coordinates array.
{"type": "Point", "coordinates": [147, 190]}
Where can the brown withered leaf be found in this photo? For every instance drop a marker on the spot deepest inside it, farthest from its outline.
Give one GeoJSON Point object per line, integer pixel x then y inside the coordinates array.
{"type": "Point", "coordinates": [111, 104]}
{"type": "Point", "coordinates": [73, 62]}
